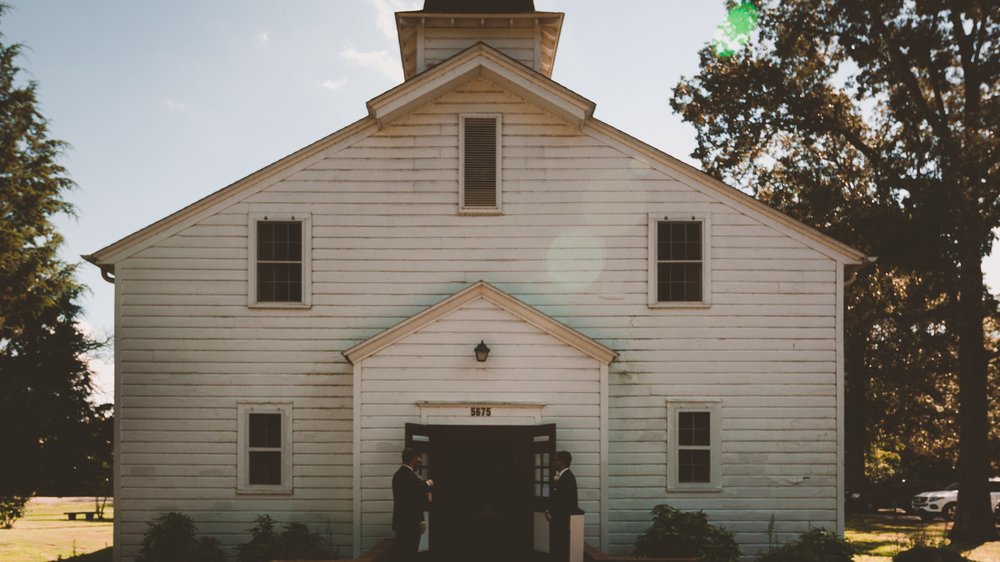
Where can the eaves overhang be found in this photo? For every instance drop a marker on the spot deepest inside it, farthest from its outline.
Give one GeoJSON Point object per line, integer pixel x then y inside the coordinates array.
{"type": "Point", "coordinates": [481, 61]}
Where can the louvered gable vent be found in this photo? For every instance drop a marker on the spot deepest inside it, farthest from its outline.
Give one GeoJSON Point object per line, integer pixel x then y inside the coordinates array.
{"type": "Point", "coordinates": [480, 172]}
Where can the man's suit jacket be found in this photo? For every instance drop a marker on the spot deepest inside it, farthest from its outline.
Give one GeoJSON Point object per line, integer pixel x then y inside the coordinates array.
{"type": "Point", "coordinates": [563, 501]}
{"type": "Point", "coordinates": [409, 499]}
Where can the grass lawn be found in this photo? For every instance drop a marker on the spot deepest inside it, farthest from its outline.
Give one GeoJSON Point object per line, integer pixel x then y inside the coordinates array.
{"type": "Point", "coordinates": [879, 537]}
{"type": "Point", "coordinates": [44, 534]}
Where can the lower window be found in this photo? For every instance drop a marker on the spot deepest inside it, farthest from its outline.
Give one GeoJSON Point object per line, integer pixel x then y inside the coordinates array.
{"type": "Point", "coordinates": [265, 458]}
{"type": "Point", "coordinates": [694, 449]}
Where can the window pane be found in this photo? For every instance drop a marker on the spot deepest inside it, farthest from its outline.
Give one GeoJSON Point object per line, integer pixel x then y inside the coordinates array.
{"type": "Point", "coordinates": [265, 467]}
{"type": "Point", "coordinates": [678, 241]}
{"type": "Point", "coordinates": [279, 241]}
{"type": "Point", "coordinates": [279, 282]}
{"type": "Point", "coordinates": [694, 429]}
{"type": "Point", "coordinates": [678, 282]}
{"type": "Point", "coordinates": [694, 466]}
{"type": "Point", "coordinates": [265, 430]}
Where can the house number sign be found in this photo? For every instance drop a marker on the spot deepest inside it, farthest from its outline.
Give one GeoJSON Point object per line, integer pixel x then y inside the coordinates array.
{"type": "Point", "coordinates": [480, 412]}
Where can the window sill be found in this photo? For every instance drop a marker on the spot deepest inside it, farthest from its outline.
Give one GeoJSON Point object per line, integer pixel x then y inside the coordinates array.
{"type": "Point", "coordinates": [262, 491]}
{"type": "Point", "coordinates": [680, 305]}
{"type": "Point", "coordinates": [280, 305]}
{"type": "Point", "coordinates": [701, 488]}
{"type": "Point", "coordinates": [481, 212]}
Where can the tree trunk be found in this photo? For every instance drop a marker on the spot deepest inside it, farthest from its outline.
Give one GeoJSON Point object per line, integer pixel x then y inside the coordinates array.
{"type": "Point", "coordinates": [974, 516]}
{"type": "Point", "coordinates": [855, 409]}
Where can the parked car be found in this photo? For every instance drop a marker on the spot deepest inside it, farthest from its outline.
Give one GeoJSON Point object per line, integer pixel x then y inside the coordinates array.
{"type": "Point", "coordinates": [889, 494]}
{"type": "Point", "coordinates": [942, 503]}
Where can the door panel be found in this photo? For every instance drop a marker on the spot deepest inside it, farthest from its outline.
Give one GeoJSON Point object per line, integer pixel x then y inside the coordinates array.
{"type": "Point", "coordinates": [418, 437]}
{"type": "Point", "coordinates": [543, 449]}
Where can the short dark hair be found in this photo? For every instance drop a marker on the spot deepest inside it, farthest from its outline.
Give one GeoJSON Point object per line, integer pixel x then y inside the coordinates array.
{"type": "Point", "coordinates": [409, 454]}
{"type": "Point", "coordinates": [565, 457]}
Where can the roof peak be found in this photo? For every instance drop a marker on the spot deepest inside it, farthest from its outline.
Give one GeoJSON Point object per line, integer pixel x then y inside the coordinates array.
{"type": "Point", "coordinates": [479, 6]}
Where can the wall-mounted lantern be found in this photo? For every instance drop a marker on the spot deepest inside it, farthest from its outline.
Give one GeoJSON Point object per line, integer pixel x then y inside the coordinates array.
{"type": "Point", "coordinates": [482, 352]}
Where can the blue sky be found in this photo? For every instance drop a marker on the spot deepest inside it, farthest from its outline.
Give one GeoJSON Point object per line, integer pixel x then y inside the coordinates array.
{"type": "Point", "coordinates": [166, 102]}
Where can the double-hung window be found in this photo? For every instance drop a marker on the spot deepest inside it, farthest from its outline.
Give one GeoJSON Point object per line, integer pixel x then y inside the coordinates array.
{"type": "Point", "coordinates": [265, 447]}
{"type": "Point", "coordinates": [694, 445]}
{"type": "Point", "coordinates": [679, 266]}
{"type": "Point", "coordinates": [280, 269]}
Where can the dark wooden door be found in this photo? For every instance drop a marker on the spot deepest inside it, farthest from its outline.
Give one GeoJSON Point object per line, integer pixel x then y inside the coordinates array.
{"type": "Point", "coordinates": [482, 493]}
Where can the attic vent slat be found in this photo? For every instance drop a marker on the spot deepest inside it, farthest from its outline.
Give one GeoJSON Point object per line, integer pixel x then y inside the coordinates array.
{"type": "Point", "coordinates": [480, 162]}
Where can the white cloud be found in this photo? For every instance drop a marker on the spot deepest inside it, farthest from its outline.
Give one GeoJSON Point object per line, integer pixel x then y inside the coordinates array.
{"type": "Point", "coordinates": [263, 37]}
{"type": "Point", "coordinates": [387, 9]}
{"type": "Point", "coordinates": [175, 105]}
{"type": "Point", "coordinates": [101, 363]}
{"type": "Point", "coordinates": [382, 61]}
{"type": "Point", "coordinates": [333, 85]}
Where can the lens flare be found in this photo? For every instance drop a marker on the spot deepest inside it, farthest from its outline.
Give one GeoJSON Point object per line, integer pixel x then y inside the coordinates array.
{"type": "Point", "coordinates": [734, 33]}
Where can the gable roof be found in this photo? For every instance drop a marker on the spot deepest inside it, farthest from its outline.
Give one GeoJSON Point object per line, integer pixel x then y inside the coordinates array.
{"type": "Point", "coordinates": [481, 61]}
{"type": "Point", "coordinates": [478, 61]}
{"type": "Point", "coordinates": [485, 291]}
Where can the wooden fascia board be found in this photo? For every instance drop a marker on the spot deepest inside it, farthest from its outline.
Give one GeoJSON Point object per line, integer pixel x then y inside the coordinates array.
{"type": "Point", "coordinates": [729, 195]}
{"type": "Point", "coordinates": [481, 60]}
{"type": "Point", "coordinates": [485, 291]}
{"type": "Point", "coordinates": [573, 111]}
{"type": "Point", "coordinates": [255, 182]}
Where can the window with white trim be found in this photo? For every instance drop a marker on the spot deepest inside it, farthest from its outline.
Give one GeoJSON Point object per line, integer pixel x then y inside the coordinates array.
{"type": "Point", "coordinates": [679, 260]}
{"type": "Point", "coordinates": [265, 447]}
{"type": "Point", "coordinates": [480, 178]}
{"type": "Point", "coordinates": [694, 445]}
{"type": "Point", "coordinates": [280, 268]}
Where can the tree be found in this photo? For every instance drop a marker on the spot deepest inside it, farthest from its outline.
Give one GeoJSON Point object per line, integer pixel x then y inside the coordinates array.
{"type": "Point", "coordinates": [874, 120]}
{"type": "Point", "coordinates": [45, 380]}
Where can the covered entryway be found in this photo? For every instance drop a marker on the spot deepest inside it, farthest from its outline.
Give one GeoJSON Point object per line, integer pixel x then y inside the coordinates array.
{"type": "Point", "coordinates": [486, 424]}
{"type": "Point", "coordinates": [490, 484]}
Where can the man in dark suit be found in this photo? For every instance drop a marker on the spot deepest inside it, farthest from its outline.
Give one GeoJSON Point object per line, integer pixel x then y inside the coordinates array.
{"type": "Point", "coordinates": [562, 504]}
{"type": "Point", "coordinates": [410, 496]}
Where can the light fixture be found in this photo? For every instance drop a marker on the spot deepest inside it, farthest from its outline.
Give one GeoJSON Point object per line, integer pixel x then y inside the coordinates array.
{"type": "Point", "coordinates": [482, 352]}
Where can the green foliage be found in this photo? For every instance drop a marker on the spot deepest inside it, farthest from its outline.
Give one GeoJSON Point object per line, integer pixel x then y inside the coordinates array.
{"type": "Point", "coordinates": [929, 554]}
{"type": "Point", "coordinates": [12, 508]}
{"type": "Point", "coordinates": [295, 542]}
{"type": "Point", "coordinates": [875, 123]}
{"type": "Point", "coordinates": [171, 537]}
{"type": "Point", "coordinates": [45, 381]}
{"type": "Point", "coordinates": [815, 545]}
{"type": "Point", "coordinates": [679, 534]}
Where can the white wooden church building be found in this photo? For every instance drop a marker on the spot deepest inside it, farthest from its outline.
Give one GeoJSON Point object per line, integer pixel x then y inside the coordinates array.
{"type": "Point", "coordinates": [279, 341]}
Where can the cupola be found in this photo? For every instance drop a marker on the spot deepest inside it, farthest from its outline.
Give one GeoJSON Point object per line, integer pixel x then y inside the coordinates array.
{"type": "Point", "coordinates": [446, 27]}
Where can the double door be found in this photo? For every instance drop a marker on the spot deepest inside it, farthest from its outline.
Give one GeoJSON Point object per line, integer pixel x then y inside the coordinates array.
{"type": "Point", "coordinates": [490, 489]}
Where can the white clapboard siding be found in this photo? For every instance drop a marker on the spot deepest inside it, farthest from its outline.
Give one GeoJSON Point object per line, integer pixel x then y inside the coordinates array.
{"type": "Point", "coordinates": [387, 243]}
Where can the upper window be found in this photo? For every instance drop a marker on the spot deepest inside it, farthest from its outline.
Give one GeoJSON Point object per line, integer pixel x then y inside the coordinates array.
{"type": "Point", "coordinates": [280, 269]}
{"type": "Point", "coordinates": [679, 266]}
{"type": "Point", "coordinates": [265, 457]}
{"type": "Point", "coordinates": [279, 261]}
{"type": "Point", "coordinates": [695, 453]}
{"type": "Point", "coordinates": [479, 162]}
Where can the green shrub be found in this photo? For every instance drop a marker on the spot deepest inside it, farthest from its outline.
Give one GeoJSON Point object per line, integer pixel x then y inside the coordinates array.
{"type": "Point", "coordinates": [11, 509]}
{"type": "Point", "coordinates": [295, 542]}
{"type": "Point", "coordinates": [676, 533]}
{"type": "Point", "coordinates": [923, 553]}
{"type": "Point", "coordinates": [171, 537]}
{"type": "Point", "coordinates": [815, 545]}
